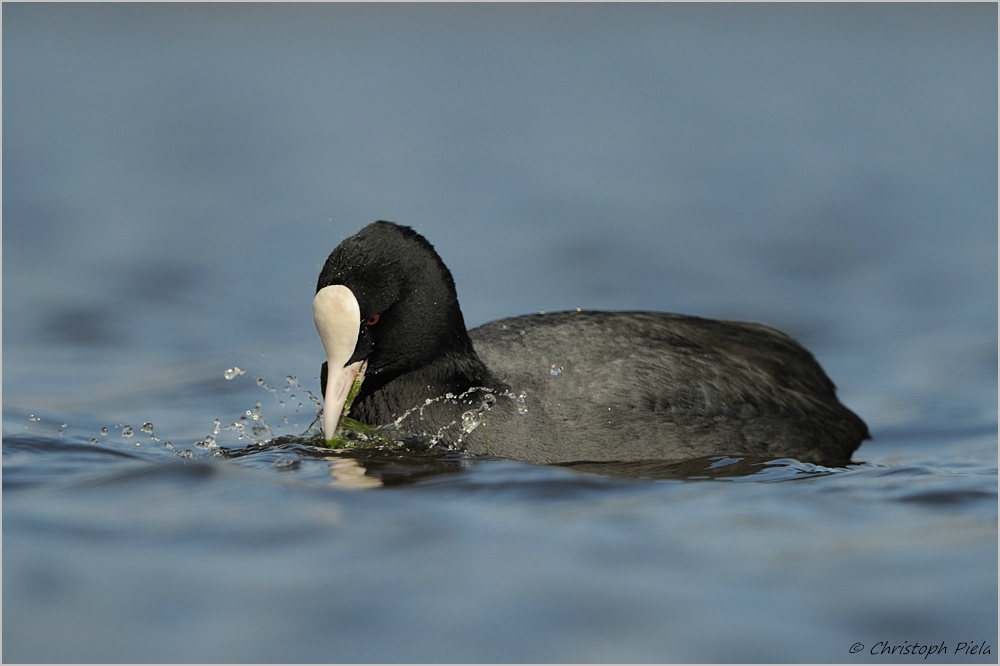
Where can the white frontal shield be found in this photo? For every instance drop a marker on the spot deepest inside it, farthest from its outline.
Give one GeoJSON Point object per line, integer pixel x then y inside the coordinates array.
{"type": "Point", "coordinates": [338, 322]}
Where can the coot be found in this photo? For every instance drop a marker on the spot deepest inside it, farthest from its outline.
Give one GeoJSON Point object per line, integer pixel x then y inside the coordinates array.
{"type": "Point", "coordinates": [560, 387]}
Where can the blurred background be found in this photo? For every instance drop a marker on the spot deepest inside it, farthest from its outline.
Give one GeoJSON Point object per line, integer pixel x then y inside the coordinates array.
{"type": "Point", "coordinates": [175, 175]}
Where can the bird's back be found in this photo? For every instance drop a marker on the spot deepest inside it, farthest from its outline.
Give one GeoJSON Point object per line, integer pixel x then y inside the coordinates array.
{"type": "Point", "coordinates": [642, 385]}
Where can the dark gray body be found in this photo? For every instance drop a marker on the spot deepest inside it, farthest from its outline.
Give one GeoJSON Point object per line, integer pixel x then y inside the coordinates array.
{"type": "Point", "coordinates": [574, 386]}
{"type": "Point", "coordinates": [614, 386]}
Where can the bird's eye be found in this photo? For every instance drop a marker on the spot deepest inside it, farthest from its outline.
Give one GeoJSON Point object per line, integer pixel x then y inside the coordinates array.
{"type": "Point", "coordinates": [371, 321]}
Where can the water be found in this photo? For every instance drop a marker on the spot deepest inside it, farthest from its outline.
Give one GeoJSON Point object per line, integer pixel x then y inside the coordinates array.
{"type": "Point", "coordinates": [174, 176]}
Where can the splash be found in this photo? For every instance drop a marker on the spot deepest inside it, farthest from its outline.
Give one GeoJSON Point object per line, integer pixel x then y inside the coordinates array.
{"type": "Point", "coordinates": [181, 453]}
{"type": "Point", "coordinates": [261, 383]}
{"type": "Point", "coordinates": [252, 424]}
{"type": "Point", "coordinates": [469, 421]}
{"type": "Point", "coordinates": [148, 429]}
{"type": "Point", "coordinates": [209, 441]}
{"type": "Point", "coordinates": [291, 403]}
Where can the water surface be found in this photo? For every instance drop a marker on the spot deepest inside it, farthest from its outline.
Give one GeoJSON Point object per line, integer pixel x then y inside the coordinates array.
{"type": "Point", "coordinates": [175, 175]}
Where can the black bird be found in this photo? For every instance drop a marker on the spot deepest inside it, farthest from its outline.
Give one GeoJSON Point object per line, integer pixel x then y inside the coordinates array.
{"type": "Point", "coordinates": [560, 387]}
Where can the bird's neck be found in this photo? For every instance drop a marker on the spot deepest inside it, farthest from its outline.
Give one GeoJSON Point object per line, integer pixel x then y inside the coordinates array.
{"type": "Point", "coordinates": [382, 400]}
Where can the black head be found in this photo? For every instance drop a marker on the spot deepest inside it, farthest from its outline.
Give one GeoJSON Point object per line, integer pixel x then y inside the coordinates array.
{"type": "Point", "coordinates": [410, 315]}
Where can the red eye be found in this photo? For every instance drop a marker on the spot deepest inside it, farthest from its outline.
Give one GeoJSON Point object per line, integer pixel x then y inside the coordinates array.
{"type": "Point", "coordinates": [371, 321]}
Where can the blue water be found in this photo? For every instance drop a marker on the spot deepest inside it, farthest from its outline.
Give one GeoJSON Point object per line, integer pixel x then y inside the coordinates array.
{"type": "Point", "coordinates": [175, 175]}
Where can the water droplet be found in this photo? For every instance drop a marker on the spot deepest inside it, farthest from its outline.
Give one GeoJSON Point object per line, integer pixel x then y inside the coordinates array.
{"type": "Point", "coordinates": [209, 443]}
{"type": "Point", "coordinates": [263, 384]}
{"type": "Point", "coordinates": [449, 395]}
{"type": "Point", "coordinates": [281, 403]}
{"type": "Point", "coordinates": [32, 417]}
{"type": "Point", "coordinates": [104, 431]}
{"type": "Point", "coordinates": [186, 453]}
{"type": "Point", "coordinates": [233, 373]}
{"type": "Point", "coordinates": [287, 464]}
{"type": "Point", "coordinates": [555, 370]}
{"type": "Point", "coordinates": [64, 425]}
{"type": "Point", "coordinates": [578, 309]}
{"type": "Point", "coordinates": [489, 400]}
{"type": "Point", "coordinates": [93, 440]}
{"type": "Point", "coordinates": [470, 421]}
{"type": "Point", "coordinates": [147, 428]}
{"type": "Point", "coordinates": [522, 409]}
{"type": "Point", "coordinates": [127, 431]}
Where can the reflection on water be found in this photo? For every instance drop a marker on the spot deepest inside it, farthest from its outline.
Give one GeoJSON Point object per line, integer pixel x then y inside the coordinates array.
{"type": "Point", "coordinates": [371, 466]}
{"type": "Point", "coordinates": [359, 467]}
